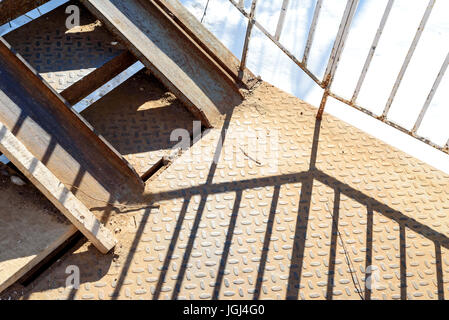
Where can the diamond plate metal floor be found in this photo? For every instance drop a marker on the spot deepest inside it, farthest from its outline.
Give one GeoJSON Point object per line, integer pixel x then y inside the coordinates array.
{"type": "Point", "coordinates": [137, 118]}
{"type": "Point", "coordinates": [63, 57]}
{"type": "Point", "coordinates": [324, 212]}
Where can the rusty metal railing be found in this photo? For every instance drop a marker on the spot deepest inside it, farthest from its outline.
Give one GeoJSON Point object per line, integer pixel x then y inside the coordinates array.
{"type": "Point", "coordinates": [336, 53]}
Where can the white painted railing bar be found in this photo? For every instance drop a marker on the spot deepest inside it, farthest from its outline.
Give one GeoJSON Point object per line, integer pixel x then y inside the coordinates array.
{"type": "Point", "coordinates": [431, 94]}
{"type": "Point", "coordinates": [288, 53]}
{"type": "Point", "coordinates": [369, 58]}
{"type": "Point", "coordinates": [248, 34]}
{"type": "Point", "coordinates": [310, 37]}
{"type": "Point", "coordinates": [337, 51]}
{"type": "Point", "coordinates": [343, 31]}
{"type": "Point", "coordinates": [280, 46]}
{"type": "Point", "coordinates": [281, 20]}
{"type": "Point", "coordinates": [408, 57]}
{"type": "Point", "coordinates": [340, 40]}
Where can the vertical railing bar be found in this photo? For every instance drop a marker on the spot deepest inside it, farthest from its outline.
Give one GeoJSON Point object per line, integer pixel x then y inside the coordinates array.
{"type": "Point", "coordinates": [339, 43]}
{"type": "Point", "coordinates": [337, 50]}
{"type": "Point", "coordinates": [431, 94]}
{"type": "Point", "coordinates": [408, 57]}
{"type": "Point", "coordinates": [316, 15]}
{"type": "Point", "coordinates": [248, 34]}
{"type": "Point", "coordinates": [343, 31]}
{"type": "Point", "coordinates": [288, 53]}
{"type": "Point", "coordinates": [280, 46]}
{"type": "Point", "coordinates": [281, 20]}
{"type": "Point", "coordinates": [373, 48]}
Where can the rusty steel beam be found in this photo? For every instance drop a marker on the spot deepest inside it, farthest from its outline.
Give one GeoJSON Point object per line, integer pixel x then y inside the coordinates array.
{"type": "Point", "coordinates": [98, 77]}
{"type": "Point", "coordinates": [59, 138]}
{"type": "Point", "coordinates": [12, 9]}
{"type": "Point", "coordinates": [340, 41]}
{"type": "Point", "coordinates": [50, 186]}
{"type": "Point", "coordinates": [207, 41]}
{"type": "Point", "coordinates": [171, 55]}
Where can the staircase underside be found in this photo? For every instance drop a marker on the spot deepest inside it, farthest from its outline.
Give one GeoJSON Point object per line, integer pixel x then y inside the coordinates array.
{"type": "Point", "coordinates": [278, 224]}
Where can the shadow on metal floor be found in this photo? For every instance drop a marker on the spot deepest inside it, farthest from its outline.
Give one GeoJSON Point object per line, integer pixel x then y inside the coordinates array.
{"type": "Point", "coordinates": [292, 209]}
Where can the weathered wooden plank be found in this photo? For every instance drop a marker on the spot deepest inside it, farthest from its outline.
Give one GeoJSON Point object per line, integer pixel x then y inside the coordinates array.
{"type": "Point", "coordinates": [60, 138]}
{"type": "Point", "coordinates": [77, 213]}
{"type": "Point", "coordinates": [170, 55]}
{"type": "Point", "coordinates": [207, 41]}
{"type": "Point", "coordinates": [98, 77]}
{"type": "Point", "coordinates": [12, 9]}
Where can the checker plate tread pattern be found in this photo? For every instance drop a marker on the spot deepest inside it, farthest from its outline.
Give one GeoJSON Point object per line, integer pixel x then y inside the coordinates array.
{"type": "Point", "coordinates": [61, 56]}
{"type": "Point", "coordinates": [342, 215]}
{"type": "Point", "coordinates": [137, 118]}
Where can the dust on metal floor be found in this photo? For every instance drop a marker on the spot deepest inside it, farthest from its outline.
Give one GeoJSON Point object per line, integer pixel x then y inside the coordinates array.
{"type": "Point", "coordinates": [325, 214]}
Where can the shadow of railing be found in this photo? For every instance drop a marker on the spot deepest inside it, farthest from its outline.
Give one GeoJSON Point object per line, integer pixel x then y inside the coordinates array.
{"type": "Point", "coordinates": [307, 179]}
